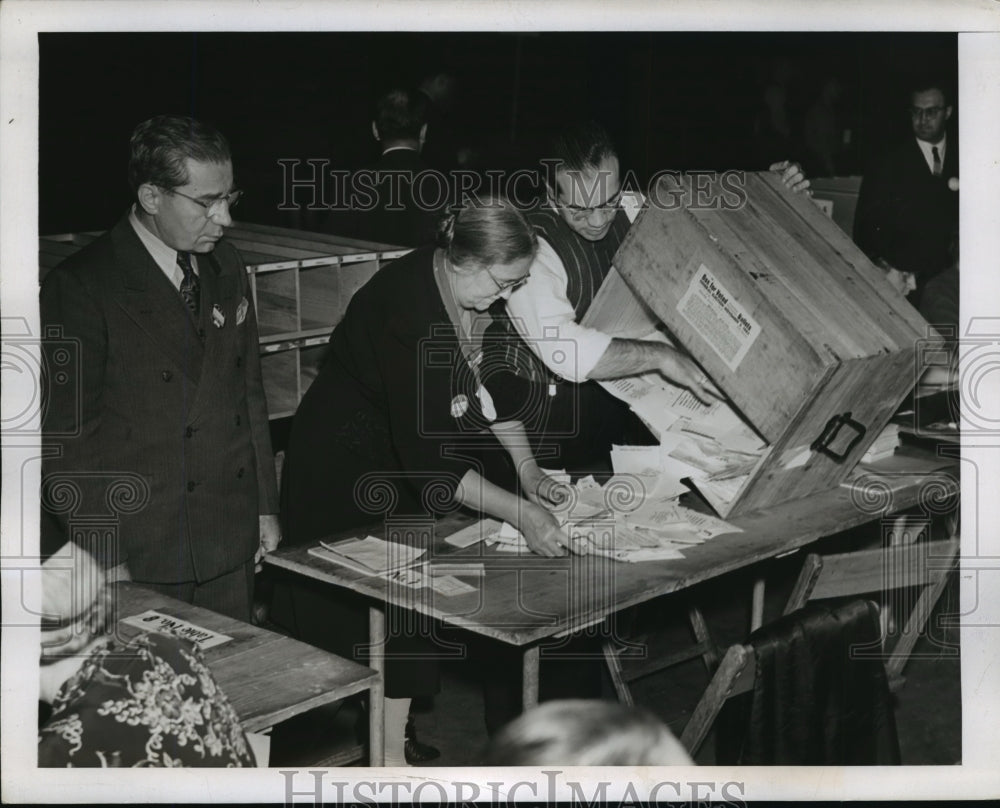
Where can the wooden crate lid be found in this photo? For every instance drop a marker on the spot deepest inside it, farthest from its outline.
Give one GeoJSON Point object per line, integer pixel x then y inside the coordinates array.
{"type": "Point", "coordinates": [815, 298]}
{"type": "Point", "coordinates": [794, 256]}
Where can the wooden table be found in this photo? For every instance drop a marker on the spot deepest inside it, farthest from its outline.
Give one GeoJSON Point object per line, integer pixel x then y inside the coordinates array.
{"type": "Point", "coordinates": [267, 677]}
{"type": "Point", "coordinates": [524, 599]}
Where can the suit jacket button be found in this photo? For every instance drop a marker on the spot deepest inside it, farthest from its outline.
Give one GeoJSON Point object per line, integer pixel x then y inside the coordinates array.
{"type": "Point", "coordinates": [237, 420]}
{"type": "Point", "coordinates": [166, 375]}
{"type": "Point", "coordinates": [240, 472]}
{"type": "Point", "coordinates": [188, 432]}
{"type": "Point", "coordinates": [191, 485]}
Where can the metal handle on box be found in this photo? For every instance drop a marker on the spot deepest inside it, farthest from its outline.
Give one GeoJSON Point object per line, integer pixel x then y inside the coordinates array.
{"type": "Point", "coordinates": [830, 432]}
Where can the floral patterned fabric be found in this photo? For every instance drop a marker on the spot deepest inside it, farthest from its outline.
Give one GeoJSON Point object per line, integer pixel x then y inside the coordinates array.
{"type": "Point", "coordinates": [151, 702]}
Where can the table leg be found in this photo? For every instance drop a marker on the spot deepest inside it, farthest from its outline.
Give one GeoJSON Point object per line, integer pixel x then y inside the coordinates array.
{"type": "Point", "coordinates": [376, 696]}
{"type": "Point", "coordinates": [529, 678]}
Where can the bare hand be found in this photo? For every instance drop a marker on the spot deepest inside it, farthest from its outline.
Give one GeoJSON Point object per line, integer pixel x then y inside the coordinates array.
{"type": "Point", "coordinates": [73, 585]}
{"type": "Point", "coordinates": [682, 370]}
{"type": "Point", "coordinates": [542, 532]}
{"type": "Point", "coordinates": [270, 538]}
{"type": "Point", "coordinates": [541, 488]}
{"type": "Point", "coordinates": [792, 176]}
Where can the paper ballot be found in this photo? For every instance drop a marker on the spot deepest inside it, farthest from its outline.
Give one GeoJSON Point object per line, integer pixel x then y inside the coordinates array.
{"type": "Point", "coordinates": [635, 459]}
{"type": "Point", "coordinates": [370, 556]}
{"type": "Point", "coordinates": [483, 530]}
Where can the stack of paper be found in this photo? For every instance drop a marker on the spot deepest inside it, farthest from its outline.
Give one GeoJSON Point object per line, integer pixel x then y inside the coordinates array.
{"type": "Point", "coordinates": [884, 446]}
{"type": "Point", "coordinates": [369, 556]}
{"type": "Point", "coordinates": [709, 444]}
{"type": "Point", "coordinates": [395, 563]}
{"type": "Point", "coordinates": [483, 530]}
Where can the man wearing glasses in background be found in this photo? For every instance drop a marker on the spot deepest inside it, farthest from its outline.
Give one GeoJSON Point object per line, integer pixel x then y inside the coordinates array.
{"type": "Point", "coordinates": [160, 414]}
{"type": "Point", "coordinates": [550, 363]}
{"type": "Point", "coordinates": [538, 340]}
{"type": "Point", "coordinates": [907, 214]}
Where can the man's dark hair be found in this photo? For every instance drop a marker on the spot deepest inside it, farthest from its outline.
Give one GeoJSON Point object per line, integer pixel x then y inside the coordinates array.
{"type": "Point", "coordinates": [581, 146]}
{"type": "Point", "coordinates": [160, 146]}
{"type": "Point", "coordinates": [922, 84]}
{"type": "Point", "coordinates": [400, 114]}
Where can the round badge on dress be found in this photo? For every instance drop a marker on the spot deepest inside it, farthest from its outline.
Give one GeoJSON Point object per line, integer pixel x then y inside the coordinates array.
{"type": "Point", "coordinates": [459, 404]}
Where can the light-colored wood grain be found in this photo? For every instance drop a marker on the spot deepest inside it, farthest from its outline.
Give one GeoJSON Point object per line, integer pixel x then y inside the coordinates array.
{"type": "Point", "coordinates": [267, 677]}
{"type": "Point", "coordinates": [525, 598]}
{"type": "Point", "coordinates": [338, 244]}
{"type": "Point", "coordinates": [321, 296]}
{"type": "Point", "coordinates": [280, 373]}
{"type": "Point", "coordinates": [277, 302]}
{"type": "Point", "coordinates": [735, 676]}
{"type": "Point", "coordinates": [833, 336]}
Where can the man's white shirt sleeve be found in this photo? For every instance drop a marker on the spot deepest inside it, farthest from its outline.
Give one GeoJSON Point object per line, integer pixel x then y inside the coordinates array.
{"type": "Point", "coordinates": [546, 320]}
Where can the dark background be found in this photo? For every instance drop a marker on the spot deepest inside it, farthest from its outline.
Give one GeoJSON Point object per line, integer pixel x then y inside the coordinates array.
{"type": "Point", "coordinates": [670, 100]}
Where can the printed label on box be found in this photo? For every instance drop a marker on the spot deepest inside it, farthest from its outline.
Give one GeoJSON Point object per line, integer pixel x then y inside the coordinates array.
{"type": "Point", "coordinates": [152, 620]}
{"type": "Point", "coordinates": [720, 320]}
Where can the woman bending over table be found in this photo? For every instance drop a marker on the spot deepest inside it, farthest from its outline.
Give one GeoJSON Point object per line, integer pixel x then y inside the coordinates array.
{"type": "Point", "coordinates": [400, 423]}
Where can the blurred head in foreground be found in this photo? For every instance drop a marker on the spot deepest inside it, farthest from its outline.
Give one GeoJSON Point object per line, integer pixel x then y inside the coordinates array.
{"type": "Point", "coordinates": [580, 732]}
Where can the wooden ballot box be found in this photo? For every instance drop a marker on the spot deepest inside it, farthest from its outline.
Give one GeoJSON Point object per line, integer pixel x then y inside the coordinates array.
{"type": "Point", "coordinates": [301, 283]}
{"type": "Point", "coordinates": [805, 337]}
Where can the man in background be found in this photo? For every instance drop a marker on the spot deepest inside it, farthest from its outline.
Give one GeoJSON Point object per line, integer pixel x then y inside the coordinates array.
{"type": "Point", "coordinates": [908, 203]}
{"type": "Point", "coordinates": [552, 361]}
{"type": "Point", "coordinates": [397, 201]}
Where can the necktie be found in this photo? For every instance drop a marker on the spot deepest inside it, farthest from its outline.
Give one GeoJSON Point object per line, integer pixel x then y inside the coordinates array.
{"type": "Point", "coordinates": [190, 288]}
{"type": "Point", "coordinates": [937, 161]}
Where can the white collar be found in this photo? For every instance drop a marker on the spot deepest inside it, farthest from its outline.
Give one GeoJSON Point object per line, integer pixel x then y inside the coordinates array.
{"type": "Point", "coordinates": [164, 255]}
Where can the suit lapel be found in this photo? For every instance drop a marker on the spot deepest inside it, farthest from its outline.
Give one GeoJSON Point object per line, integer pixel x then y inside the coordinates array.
{"type": "Point", "coordinates": [152, 302]}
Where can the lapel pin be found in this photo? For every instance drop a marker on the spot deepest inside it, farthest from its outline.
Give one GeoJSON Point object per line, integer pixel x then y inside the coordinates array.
{"type": "Point", "coordinates": [218, 318]}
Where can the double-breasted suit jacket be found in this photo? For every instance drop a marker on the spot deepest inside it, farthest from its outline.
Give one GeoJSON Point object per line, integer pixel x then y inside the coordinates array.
{"type": "Point", "coordinates": [173, 403]}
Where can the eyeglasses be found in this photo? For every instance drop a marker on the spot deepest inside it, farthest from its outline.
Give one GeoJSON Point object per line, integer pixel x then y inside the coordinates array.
{"type": "Point", "coordinates": [212, 207]}
{"type": "Point", "coordinates": [579, 212]}
{"type": "Point", "coordinates": [925, 112]}
{"type": "Point", "coordinates": [503, 286]}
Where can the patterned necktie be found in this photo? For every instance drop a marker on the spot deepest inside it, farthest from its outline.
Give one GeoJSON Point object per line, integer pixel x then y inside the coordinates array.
{"type": "Point", "coordinates": [190, 288]}
{"type": "Point", "coordinates": [937, 161]}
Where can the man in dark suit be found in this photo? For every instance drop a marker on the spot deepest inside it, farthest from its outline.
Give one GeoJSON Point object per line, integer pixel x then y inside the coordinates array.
{"type": "Point", "coordinates": [398, 200]}
{"type": "Point", "coordinates": [908, 203]}
{"type": "Point", "coordinates": [162, 416]}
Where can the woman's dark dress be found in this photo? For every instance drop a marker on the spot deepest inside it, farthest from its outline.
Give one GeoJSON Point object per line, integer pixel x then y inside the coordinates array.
{"type": "Point", "coordinates": [386, 431]}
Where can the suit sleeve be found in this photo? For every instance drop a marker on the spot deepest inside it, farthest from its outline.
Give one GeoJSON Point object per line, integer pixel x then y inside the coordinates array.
{"type": "Point", "coordinates": [74, 352]}
{"type": "Point", "coordinates": [260, 429]}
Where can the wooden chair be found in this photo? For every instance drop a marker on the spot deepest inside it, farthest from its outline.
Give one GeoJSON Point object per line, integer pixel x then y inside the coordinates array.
{"type": "Point", "coordinates": [924, 565]}
{"type": "Point", "coordinates": [639, 664]}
